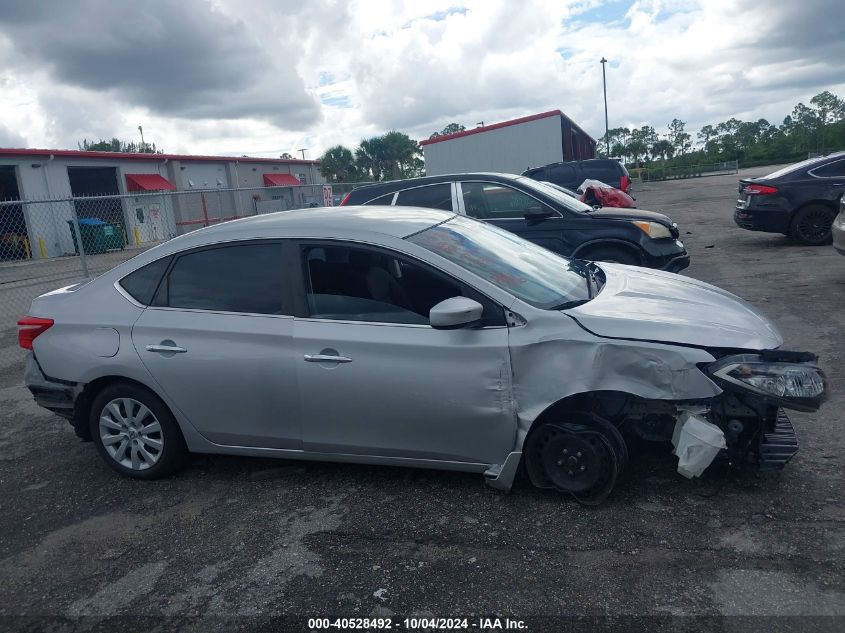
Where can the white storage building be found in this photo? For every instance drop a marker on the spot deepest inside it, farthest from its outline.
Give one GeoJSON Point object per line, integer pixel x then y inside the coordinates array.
{"type": "Point", "coordinates": [510, 146]}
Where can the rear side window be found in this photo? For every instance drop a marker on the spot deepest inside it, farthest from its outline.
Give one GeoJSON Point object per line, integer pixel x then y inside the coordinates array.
{"type": "Point", "coordinates": [386, 199]}
{"type": "Point", "coordinates": [243, 278]}
{"type": "Point", "coordinates": [562, 174]}
{"type": "Point", "coordinates": [141, 285]}
{"type": "Point", "coordinates": [831, 170]}
{"type": "Point", "coordinates": [432, 197]}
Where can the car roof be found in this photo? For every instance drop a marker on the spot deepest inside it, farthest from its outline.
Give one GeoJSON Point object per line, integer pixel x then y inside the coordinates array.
{"type": "Point", "coordinates": [331, 222]}
{"type": "Point", "coordinates": [395, 185]}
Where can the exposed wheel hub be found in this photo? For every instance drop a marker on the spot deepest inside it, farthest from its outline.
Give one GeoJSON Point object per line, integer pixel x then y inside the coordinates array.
{"type": "Point", "coordinates": [574, 462]}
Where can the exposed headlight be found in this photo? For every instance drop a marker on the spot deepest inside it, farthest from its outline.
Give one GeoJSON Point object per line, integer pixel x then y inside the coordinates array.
{"type": "Point", "coordinates": [796, 385]}
{"type": "Point", "coordinates": [653, 229]}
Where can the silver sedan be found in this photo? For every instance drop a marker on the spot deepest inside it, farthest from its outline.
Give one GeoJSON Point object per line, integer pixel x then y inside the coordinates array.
{"type": "Point", "coordinates": [409, 337]}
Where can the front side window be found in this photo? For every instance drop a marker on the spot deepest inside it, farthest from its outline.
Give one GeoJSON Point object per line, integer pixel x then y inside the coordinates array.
{"type": "Point", "coordinates": [487, 201]}
{"type": "Point", "coordinates": [234, 278]}
{"type": "Point", "coordinates": [561, 198]}
{"type": "Point", "coordinates": [350, 283]}
{"type": "Point", "coordinates": [431, 196]}
{"type": "Point", "coordinates": [517, 266]}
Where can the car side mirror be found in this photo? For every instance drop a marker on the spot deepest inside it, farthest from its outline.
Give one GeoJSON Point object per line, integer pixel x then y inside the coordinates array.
{"type": "Point", "coordinates": [455, 313]}
{"type": "Point", "coordinates": [537, 212]}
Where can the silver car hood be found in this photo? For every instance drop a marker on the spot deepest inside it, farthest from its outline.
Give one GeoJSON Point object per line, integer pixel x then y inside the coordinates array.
{"type": "Point", "coordinates": [644, 304]}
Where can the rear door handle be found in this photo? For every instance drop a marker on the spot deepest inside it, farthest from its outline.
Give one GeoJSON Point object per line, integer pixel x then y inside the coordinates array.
{"type": "Point", "coordinates": [166, 349]}
{"type": "Point", "coordinates": [326, 358]}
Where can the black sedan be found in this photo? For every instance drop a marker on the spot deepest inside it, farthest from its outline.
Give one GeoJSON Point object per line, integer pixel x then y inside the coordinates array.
{"type": "Point", "coordinates": [541, 214]}
{"type": "Point", "coordinates": [800, 200]}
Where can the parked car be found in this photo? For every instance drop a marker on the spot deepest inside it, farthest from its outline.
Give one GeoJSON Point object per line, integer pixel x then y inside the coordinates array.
{"type": "Point", "coordinates": [800, 200]}
{"type": "Point", "coordinates": [542, 214]}
{"type": "Point", "coordinates": [408, 337]}
{"type": "Point", "coordinates": [838, 229]}
{"type": "Point", "coordinates": [571, 174]}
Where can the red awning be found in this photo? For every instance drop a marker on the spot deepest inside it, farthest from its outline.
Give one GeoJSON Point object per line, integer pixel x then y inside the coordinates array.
{"type": "Point", "coordinates": [281, 180]}
{"type": "Point", "coordinates": [148, 182]}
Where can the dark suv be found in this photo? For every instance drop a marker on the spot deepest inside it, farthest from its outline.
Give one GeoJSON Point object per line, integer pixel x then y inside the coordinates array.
{"type": "Point", "coordinates": [571, 174]}
{"type": "Point", "coordinates": [542, 214]}
{"type": "Point", "coordinates": [800, 200]}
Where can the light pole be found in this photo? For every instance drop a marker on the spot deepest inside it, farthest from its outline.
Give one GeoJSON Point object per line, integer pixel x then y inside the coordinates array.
{"type": "Point", "coordinates": [604, 84]}
{"type": "Point", "coordinates": [303, 150]}
{"type": "Point", "coordinates": [141, 130]}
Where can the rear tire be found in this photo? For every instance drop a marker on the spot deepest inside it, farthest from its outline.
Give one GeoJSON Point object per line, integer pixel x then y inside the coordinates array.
{"type": "Point", "coordinates": [811, 225]}
{"type": "Point", "coordinates": [135, 433]}
{"type": "Point", "coordinates": [613, 254]}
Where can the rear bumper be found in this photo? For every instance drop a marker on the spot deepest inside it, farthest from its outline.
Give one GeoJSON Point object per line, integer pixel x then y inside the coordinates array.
{"type": "Point", "coordinates": [766, 220]}
{"type": "Point", "coordinates": [58, 396]}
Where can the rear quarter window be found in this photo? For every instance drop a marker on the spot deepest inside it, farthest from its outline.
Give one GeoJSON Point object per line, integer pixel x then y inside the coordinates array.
{"type": "Point", "coordinates": [831, 170]}
{"type": "Point", "coordinates": [141, 284]}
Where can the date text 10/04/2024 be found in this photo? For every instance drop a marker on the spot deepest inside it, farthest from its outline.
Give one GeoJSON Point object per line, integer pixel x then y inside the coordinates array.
{"type": "Point", "coordinates": [418, 623]}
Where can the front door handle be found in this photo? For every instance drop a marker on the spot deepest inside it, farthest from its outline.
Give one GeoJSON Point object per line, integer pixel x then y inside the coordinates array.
{"type": "Point", "coordinates": [166, 349]}
{"type": "Point", "coordinates": [326, 358]}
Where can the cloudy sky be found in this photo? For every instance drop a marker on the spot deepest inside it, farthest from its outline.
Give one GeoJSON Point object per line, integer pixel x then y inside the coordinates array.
{"type": "Point", "coordinates": [262, 77]}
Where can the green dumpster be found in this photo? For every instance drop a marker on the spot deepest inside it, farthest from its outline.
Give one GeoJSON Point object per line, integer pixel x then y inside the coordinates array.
{"type": "Point", "coordinates": [97, 236]}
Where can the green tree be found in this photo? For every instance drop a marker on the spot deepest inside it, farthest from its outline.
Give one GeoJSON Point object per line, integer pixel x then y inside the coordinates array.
{"type": "Point", "coordinates": [370, 158]}
{"type": "Point", "coordinates": [828, 109]}
{"type": "Point", "coordinates": [116, 145]}
{"type": "Point", "coordinates": [338, 164]}
{"type": "Point", "coordinates": [399, 151]}
{"type": "Point", "coordinates": [452, 128]}
{"type": "Point", "coordinates": [663, 148]}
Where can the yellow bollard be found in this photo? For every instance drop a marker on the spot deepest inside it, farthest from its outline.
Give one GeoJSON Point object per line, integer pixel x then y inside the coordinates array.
{"type": "Point", "coordinates": [26, 248]}
{"type": "Point", "coordinates": [42, 248]}
{"type": "Point", "coordinates": [137, 235]}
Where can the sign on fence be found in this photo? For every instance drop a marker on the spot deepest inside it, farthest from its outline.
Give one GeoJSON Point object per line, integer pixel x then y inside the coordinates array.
{"type": "Point", "coordinates": [327, 195]}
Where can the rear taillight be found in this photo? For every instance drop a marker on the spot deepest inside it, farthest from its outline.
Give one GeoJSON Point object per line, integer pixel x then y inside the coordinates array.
{"type": "Point", "coordinates": [29, 328]}
{"type": "Point", "coordinates": [624, 183]}
{"type": "Point", "coordinates": [345, 199]}
{"type": "Point", "coordinates": [760, 190]}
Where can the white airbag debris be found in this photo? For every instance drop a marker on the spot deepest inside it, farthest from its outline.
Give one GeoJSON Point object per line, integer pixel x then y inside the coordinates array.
{"type": "Point", "coordinates": [696, 442]}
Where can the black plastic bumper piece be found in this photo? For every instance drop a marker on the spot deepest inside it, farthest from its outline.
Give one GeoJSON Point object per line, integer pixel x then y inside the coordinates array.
{"type": "Point", "coordinates": [676, 264]}
{"type": "Point", "coordinates": [779, 445]}
{"type": "Point", "coordinates": [58, 396]}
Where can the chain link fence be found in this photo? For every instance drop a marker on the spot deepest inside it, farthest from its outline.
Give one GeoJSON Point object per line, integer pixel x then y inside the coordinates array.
{"type": "Point", "coordinates": [658, 172]}
{"type": "Point", "coordinates": [48, 244]}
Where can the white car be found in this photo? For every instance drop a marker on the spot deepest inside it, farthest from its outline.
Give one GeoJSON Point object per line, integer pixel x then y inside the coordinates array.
{"type": "Point", "coordinates": [411, 337]}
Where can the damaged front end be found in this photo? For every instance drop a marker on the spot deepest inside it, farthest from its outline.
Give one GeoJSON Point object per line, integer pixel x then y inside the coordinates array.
{"type": "Point", "coordinates": [747, 422]}
{"type": "Point", "coordinates": [757, 388]}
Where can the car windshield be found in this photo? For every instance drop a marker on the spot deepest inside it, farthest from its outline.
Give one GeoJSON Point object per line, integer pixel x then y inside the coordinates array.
{"type": "Point", "coordinates": [517, 266]}
{"type": "Point", "coordinates": [558, 196]}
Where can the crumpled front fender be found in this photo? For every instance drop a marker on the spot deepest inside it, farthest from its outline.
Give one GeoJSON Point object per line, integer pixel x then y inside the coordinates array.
{"type": "Point", "coordinates": [572, 361]}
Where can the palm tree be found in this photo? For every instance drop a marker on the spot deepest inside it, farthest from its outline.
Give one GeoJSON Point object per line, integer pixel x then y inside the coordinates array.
{"type": "Point", "coordinates": [338, 164]}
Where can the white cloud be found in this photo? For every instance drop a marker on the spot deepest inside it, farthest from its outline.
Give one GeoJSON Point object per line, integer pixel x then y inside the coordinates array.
{"type": "Point", "coordinates": [264, 77]}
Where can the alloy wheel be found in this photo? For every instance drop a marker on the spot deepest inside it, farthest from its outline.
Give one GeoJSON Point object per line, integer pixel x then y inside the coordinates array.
{"type": "Point", "coordinates": [131, 434]}
{"type": "Point", "coordinates": [814, 226]}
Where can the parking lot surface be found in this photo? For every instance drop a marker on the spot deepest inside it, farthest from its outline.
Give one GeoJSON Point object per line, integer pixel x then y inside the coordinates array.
{"type": "Point", "coordinates": [241, 537]}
